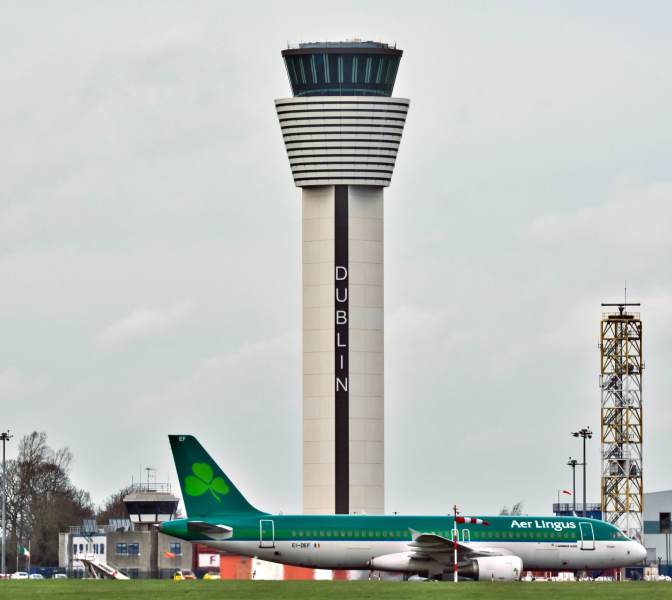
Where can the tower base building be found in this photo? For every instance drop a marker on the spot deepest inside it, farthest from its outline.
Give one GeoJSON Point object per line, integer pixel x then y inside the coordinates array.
{"type": "Point", "coordinates": [342, 131]}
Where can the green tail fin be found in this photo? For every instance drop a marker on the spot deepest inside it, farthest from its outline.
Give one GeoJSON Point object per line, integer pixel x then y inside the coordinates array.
{"type": "Point", "coordinates": [206, 490]}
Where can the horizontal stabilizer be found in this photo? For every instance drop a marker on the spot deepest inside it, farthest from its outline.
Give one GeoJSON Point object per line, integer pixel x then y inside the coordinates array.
{"type": "Point", "coordinates": [220, 532]}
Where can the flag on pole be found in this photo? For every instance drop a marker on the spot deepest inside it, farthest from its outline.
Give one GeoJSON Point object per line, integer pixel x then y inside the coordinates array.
{"type": "Point", "coordinates": [567, 492]}
{"type": "Point", "coordinates": [170, 555]}
{"type": "Point", "coordinates": [24, 551]}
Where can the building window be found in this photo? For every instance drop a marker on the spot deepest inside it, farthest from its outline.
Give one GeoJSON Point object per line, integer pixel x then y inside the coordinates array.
{"type": "Point", "coordinates": [302, 69]}
{"type": "Point", "coordinates": [295, 77]}
{"type": "Point", "coordinates": [134, 549]}
{"type": "Point", "coordinates": [327, 77]}
{"type": "Point", "coordinates": [102, 548]}
{"type": "Point", "coordinates": [379, 73]}
{"type": "Point", "coordinates": [665, 524]}
{"type": "Point", "coordinates": [389, 76]}
{"type": "Point", "coordinates": [176, 548]}
{"type": "Point", "coordinates": [121, 549]}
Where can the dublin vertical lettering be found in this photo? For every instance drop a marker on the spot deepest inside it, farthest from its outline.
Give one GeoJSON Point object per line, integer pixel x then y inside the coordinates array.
{"type": "Point", "coordinates": [341, 369]}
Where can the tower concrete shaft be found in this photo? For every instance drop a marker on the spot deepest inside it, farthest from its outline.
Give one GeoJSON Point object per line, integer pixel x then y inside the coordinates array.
{"type": "Point", "coordinates": [621, 367]}
{"type": "Point", "coordinates": [342, 131]}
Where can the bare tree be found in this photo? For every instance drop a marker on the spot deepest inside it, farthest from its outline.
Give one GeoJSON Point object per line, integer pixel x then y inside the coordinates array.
{"type": "Point", "coordinates": [41, 499]}
{"type": "Point", "coordinates": [114, 506]}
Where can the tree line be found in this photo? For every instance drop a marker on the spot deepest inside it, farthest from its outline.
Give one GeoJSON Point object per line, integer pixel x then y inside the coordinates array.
{"type": "Point", "coordinates": [42, 501]}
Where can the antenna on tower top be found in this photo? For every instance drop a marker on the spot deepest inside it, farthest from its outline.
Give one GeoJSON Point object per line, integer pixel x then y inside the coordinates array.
{"type": "Point", "coordinates": [621, 305]}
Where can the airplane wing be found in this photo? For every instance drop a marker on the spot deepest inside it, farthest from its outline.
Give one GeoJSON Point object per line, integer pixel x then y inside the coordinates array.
{"type": "Point", "coordinates": [216, 532]}
{"type": "Point", "coordinates": [440, 548]}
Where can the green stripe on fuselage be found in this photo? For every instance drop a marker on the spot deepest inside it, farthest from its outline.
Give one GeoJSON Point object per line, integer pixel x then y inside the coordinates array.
{"type": "Point", "coordinates": [399, 528]}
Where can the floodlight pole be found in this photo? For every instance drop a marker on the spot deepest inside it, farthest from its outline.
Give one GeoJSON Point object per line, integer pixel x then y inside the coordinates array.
{"type": "Point", "coordinates": [584, 433]}
{"type": "Point", "coordinates": [572, 462]}
{"type": "Point", "coordinates": [4, 437]}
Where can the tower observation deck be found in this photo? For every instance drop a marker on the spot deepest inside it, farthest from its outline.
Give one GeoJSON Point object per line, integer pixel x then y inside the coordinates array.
{"type": "Point", "coordinates": [342, 130]}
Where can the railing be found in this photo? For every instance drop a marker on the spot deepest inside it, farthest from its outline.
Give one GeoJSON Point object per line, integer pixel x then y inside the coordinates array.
{"type": "Point", "coordinates": [100, 529]}
{"type": "Point", "coordinates": [626, 315]}
{"type": "Point", "coordinates": [353, 43]}
{"type": "Point", "coordinates": [79, 530]}
{"type": "Point", "coordinates": [150, 486]}
{"type": "Point", "coordinates": [568, 507]}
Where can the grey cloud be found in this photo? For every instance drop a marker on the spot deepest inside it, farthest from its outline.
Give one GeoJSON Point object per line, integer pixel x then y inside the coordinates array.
{"type": "Point", "coordinates": [142, 163]}
{"type": "Point", "coordinates": [143, 322]}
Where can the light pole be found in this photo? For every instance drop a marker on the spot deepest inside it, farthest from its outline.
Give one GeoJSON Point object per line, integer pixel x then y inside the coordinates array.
{"type": "Point", "coordinates": [4, 437]}
{"type": "Point", "coordinates": [572, 462]}
{"type": "Point", "coordinates": [584, 433]}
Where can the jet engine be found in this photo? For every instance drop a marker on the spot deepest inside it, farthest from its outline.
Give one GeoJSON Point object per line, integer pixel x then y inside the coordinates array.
{"type": "Point", "coordinates": [401, 561]}
{"type": "Point", "coordinates": [493, 568]}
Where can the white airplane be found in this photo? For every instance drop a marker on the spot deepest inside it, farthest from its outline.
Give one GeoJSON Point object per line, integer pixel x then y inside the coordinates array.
{"type": "Point", "coordinates": [497, 547]}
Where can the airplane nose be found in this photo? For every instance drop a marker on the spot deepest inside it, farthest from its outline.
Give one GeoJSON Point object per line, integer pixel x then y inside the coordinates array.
{"type": "Point", "coordinates": [637, 552]}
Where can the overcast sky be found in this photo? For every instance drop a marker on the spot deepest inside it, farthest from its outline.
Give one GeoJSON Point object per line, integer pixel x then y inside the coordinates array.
{"type": "Point", "coordinates": [150, 268]}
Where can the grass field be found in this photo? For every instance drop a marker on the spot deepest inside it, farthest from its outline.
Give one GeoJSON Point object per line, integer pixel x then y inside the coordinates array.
{"type": "Point", "coordinates": [343, 590]}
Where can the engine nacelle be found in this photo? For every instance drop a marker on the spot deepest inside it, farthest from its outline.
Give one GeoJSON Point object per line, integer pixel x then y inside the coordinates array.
{"type": "Point", "coordinates": [493, 568]}
{"type": "Point", "coordinates": [400, 562]}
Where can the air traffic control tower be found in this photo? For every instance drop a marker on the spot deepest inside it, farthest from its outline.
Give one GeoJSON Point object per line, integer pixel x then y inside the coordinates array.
{"type": "Point", "coordinates": [342, 130]}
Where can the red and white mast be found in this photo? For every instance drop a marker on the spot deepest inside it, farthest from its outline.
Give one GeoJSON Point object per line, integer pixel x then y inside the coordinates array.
{"type": "Point", "coordinates": [455, 511]}
{"type": "Point", "coordinates": [468, 521]}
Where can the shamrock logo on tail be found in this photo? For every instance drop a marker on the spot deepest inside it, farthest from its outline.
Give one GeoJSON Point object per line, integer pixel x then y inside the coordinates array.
{"type": "Point", "coordinates": [202, 480]}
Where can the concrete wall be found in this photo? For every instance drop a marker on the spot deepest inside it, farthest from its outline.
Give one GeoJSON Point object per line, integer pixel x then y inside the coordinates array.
{"type": "Point", "coordinates": [184, 561]}
{"type": "Point", "coordinates": [318, 350]}
{"type": "Point", "coordinates": [143, 561]}
{"type": "Point", "coordinates": [64, 550]}
{"type": "Point", "coordinates": [365, 349]}
{"type": "Point", "coordinates": [365, 257]}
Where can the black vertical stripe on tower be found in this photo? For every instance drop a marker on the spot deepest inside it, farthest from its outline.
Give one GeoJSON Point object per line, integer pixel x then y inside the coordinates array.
{"type": "Point", "coordinates": [341, 372]}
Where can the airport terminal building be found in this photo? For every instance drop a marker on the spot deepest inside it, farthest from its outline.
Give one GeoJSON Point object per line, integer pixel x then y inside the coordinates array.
{"type": "Point", "coordinates": [130, 543]}
{"type": "Point", "coordinates": [342, 129]}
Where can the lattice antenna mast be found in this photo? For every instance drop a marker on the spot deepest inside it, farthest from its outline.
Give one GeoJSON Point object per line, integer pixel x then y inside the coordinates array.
{"type": "Point", "coordinates": [621, 367]}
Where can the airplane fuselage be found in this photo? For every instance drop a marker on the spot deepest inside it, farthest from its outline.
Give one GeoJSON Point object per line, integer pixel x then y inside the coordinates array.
{"type": "Point", "coordinates": [353, 541]}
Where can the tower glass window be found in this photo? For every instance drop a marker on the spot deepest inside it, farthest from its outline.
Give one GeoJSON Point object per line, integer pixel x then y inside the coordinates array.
{"type": "Point", "coordinates": [342, 68]}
